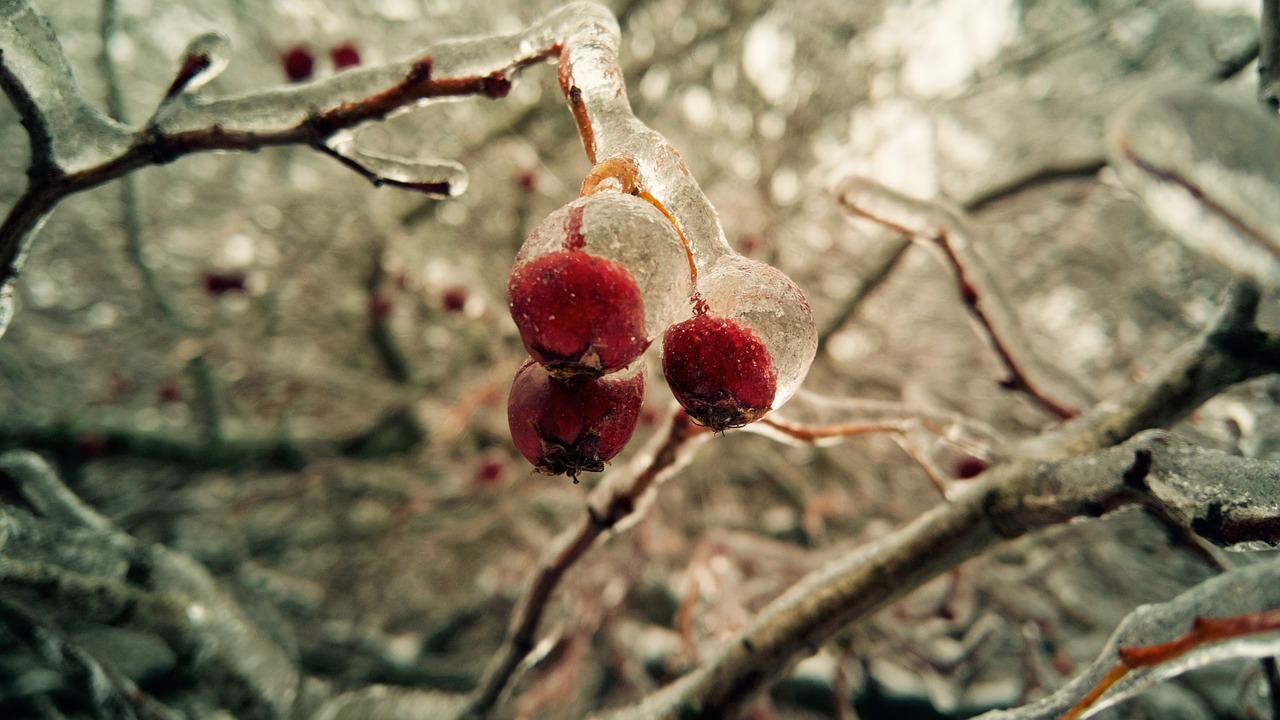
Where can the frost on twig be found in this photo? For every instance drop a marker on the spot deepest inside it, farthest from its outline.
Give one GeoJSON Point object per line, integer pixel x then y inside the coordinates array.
{"type": "Point", "coordinates": [1071, 472]}
{"type": "Point", "coordinates": [946, 445]}
{"type": "Point", "coordinates": [945, 231]}
{"type": "Point", "coordinates": [1229, 616]}
{"type": "Point", "coordinates": [75, 147]}
{"type": "Point", "coordinates": [62, 555]}
{"type": "Point", "coordinates": [1209, 169]}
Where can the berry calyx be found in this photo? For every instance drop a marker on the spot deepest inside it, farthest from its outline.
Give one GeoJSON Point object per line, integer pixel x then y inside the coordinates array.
{"type": "Point", "coordinates": [719, 370]}
{"type": "Point", "coordinates": [578, 314]}
{"type": "Point", "coordinates": [564, 427]}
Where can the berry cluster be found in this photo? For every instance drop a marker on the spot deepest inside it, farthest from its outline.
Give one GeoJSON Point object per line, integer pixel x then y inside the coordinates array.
{"type": "Point", "coordinates": [595, 283]}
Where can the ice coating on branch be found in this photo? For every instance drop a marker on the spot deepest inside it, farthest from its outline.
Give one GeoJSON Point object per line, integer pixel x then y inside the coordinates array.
{"type": "Point", "coordinates": [632, 232]}
{"type": "Point", "coordinates": [592, 80]}
{"type": "Point", "coordinates": [773, 306]}
{"type": "Point", "coordinates": [6, 307]}
{"type": "Point", "coordinates": [1240, 591]}
{"type": "Point", "coordinates": [68, 131]}
{"type": "Point", "coordinates": [947, 232]}
{"type": "Point", "coordinates": [1208, 168]}
{"type": "Point", "coordinates": [434, 177]}
{"type": "Point", "coordinates": [292, 105]}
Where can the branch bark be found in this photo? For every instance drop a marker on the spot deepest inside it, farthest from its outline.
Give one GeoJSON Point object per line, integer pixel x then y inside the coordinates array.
{"type": "Point", "coordinates": [1068, 473]}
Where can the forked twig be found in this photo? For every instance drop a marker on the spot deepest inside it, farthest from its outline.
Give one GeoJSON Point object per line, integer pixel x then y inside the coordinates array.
{"type": "Point", "coordinates": [1053, 389]}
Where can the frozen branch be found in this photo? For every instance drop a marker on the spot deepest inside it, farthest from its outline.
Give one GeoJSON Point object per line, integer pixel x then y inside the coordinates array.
{"type": "Point", "coordinates": [592, 82]}
{"type": "Point", "coordinates": [395, 432]}
{"type": "Point", "coordinates": [1269, 56]}
{"type": "Point", "coordinates": [944, 230]}
{"type": "Point", "coordinates": [1214, 195]}
{"type": "Point", "coordinates": [75, 147]}
{"type": "Point", "coordinates": [67, 558]}
{"type": "Point", "coordinates": [108, 694]}
{"type": "Point", "coordinates": [1229, 616]}
{"type": "Point", "coordinates": [1068, 473]}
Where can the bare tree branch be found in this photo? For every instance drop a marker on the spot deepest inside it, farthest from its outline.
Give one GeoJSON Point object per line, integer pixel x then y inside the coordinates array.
{"type": "Point", "coordinates": [619, 501]}
{"type": "Point", "coordinates": [1052, 388]}
{"type": "Point", "coordinates": [1068, 475]}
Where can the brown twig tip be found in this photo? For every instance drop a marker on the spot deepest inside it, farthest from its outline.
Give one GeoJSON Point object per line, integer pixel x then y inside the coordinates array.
{"type": "Point", "coordinates": [191, 67]}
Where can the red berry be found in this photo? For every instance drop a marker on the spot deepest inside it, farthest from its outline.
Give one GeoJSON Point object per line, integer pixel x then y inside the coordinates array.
{"type": "Point", "coordinates": [380, 307]}
{"type": "Point", "coordinates": [91, 445]}
{"type": "Point", "coordinates": [969, 467]}
{"type": "Point", "coordinates": [298, 63]}
{"type": "Point", "coordinates": [454, 299]}
{"type": "Point", "coordinates": [575, 425]}
{"type": "Point", "coordinates": [490, 471]}
{"type": "Point", "coordinates": [345, 55]}
{"type": "Point", "coordinates": [221, 283]}
{"type": "Point", "coordinates": [719, 370]}
{"type": "Point", "coordinates": [578, 314]}
{"type": "Point", "coordinates": [170, 391]}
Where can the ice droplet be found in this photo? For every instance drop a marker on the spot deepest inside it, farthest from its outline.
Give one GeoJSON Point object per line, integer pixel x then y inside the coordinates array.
{"type": "Point", "coordinates": [630, 231]}
{"type": "Point", "coordinates": [435, 177]}
{"type": "Point", "coordinates": [204, 59]}
{"type": "Point", "coordinates": [768, 300]}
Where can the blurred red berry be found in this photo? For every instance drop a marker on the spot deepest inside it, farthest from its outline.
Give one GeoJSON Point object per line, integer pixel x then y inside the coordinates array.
{"type": "Point", "coordinates": [490, 472]}
{"type": "Point", "coordinates": [454, 299]}
{"type": "Point", "coordinates": [528, 181]}
{"type": "Point", "coordinates": [170, 391]}
{"type": "Point", "coordinates": [565, 427]}
{"type": "Point", "coordinates": [345, 55]}
{"type": "Point", "coordinates": [969, 467]}
{"type": "Point", "coordinates": [221, 283]}
{"type": "Point", "coordinates": [578, 313]}
{"type": "Point", "coordinates": [380, 307]}
{"type": "Point", "coordinates": [719, 370]}
{"type": "Point", "coordinates": [91, 445]}
{"type": "Point", "coordinates": [298, 63]}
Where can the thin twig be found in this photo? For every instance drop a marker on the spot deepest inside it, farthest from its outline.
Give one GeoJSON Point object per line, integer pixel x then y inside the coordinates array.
{"type": "Point", "coordinates": [310, 113]}
{"type": "Point", "coordinates": [875, 276]}
{"type": "Point", "coordinates": [131, 215]}
{"type": "Point", "coordinates": [1053, 389]}
{"type": "Point", "coordinates": [619, 499]}
{"type": "Point", "coordinates": [1071, 475]}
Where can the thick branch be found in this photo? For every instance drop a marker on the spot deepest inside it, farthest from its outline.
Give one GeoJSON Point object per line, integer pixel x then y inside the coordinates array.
{"type": "Point", "coordinates": [1056, 483]}
{"type": "Point", "coordinates": [393, 433]}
